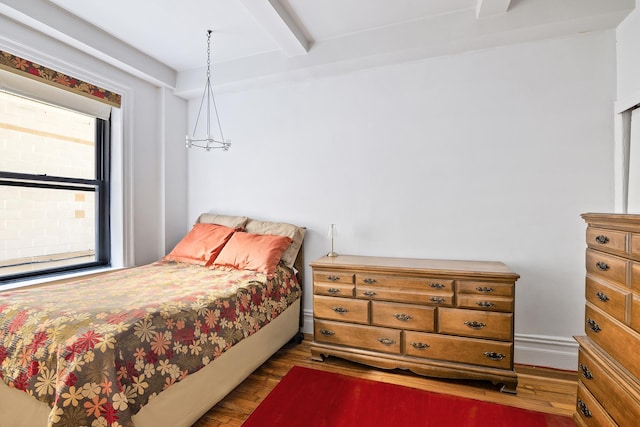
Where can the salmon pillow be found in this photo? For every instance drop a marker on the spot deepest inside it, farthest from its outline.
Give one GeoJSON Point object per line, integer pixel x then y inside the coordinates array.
{"type": "Point", "coordinates": [256, 252]}
{"type": "Point", "coordinates": [202, 244]}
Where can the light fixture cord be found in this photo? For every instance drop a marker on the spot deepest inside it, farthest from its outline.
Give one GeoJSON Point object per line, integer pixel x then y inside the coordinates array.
{"type": "Point", "coordinates": [215, 107]}
{"type": "Point", "coordinates": [208, 93]}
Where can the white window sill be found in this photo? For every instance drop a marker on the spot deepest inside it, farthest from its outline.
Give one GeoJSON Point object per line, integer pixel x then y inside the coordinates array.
{"type": "Point", "coordinates": [56, 278]}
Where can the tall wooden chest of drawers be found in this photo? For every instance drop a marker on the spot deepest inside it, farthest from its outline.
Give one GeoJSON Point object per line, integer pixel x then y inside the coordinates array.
{"type": "Point", "coordinates": [450, 319]}
{"type": "Point", "coordinates": [609, 355]}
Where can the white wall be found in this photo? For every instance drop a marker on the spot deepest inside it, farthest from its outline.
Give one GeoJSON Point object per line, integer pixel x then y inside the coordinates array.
{"type": "Point", "coordinates": [628, 55]}
{"type": "Point", "coordinates": [143, 118]}
{"type": "Point", "coordinates": [488, 155]}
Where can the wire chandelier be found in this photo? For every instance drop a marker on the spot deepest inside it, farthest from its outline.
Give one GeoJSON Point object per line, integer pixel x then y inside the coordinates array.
{"type": "Point", "coordinates": [209, 142]}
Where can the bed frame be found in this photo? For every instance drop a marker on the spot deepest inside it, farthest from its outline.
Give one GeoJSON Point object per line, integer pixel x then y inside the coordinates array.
{"type": "Point", "coordinates": [186, 401]}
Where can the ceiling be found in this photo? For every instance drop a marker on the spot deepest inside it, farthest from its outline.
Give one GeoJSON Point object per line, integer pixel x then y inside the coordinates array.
{"type": "Point", "coordinates": [165, 40]}
{"type": "Point", "coordinates": [174, 32]}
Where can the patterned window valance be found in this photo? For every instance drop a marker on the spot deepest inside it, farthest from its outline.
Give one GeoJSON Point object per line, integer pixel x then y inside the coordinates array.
{"type": "Point", "coordinates": [35, 71]}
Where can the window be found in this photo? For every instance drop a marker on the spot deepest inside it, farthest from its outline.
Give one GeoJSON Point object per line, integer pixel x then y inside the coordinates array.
{"type": "Point", "coordinates": [54, 189]}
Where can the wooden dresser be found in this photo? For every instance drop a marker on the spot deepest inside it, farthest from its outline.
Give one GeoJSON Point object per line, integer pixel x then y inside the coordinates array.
{"type": "Point", "coordinates": [609, 356]}
{"type": "Point", "coordinates": [450, 319]}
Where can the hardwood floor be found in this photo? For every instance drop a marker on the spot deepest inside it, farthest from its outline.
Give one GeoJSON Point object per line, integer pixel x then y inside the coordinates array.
{"type": "Point", "coordinates": [539, 389]}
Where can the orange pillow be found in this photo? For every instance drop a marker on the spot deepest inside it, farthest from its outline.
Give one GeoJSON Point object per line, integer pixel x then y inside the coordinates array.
{"type": "Point", "coordinates": [256, 252]}
{"type": "Point", "coordinates": [202, 244]}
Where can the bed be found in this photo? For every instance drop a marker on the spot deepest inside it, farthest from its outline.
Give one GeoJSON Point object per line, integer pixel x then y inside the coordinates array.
{"type": "Point", "coordinates": [155, 345]}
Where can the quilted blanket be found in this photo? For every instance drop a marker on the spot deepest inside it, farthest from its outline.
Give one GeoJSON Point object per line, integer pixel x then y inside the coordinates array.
{"type": "Point", "coordinates": [96, 350]}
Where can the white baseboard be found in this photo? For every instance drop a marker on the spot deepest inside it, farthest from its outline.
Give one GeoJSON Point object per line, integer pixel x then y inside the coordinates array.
{"type": "Point", "coordinates": [534, 350]}
{"type": "Point", "coordinates": [307, 327]}
{"type": "Point", "coordinates": [547, 351]}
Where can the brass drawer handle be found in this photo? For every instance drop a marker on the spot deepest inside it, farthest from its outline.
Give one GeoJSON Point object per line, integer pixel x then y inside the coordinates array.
{"type": "Point", "coordinates": [593, 325]}
{"type": "Point", "coordinates": [333, 278]}
{"type": "Point", "coordinates": [369, 293]}
{"type": "Point", "coordinates": [333, 290]}
{"type": "Point", "coordinates": [475, 325]}
{"type": "Point", "coordinates": [584, 410]}
{"type": "Point", "coordinates": [484, 289]}
{"type": "Point", "coordinates": [340, 310]}
{"type": "Point", "coordinates": [403, 317]}
{"type": "Point", "coordinates": [437, 285]}
{"type": "Point", "coordinates": [494, 356]}
{"type": "Point", "coordinates": [586, 372]}
{"type": "Point", "coordinates": [326, 332]}
{"type": "Point", "coordinates": [602, 266]}
{"type": "Point", "coordinates": [370, 281]}
{"type": "Point", "coordinates": [419, 345]}
{"type": "Point", "coordinates": [386, 341]}
{"type": "Point", "coordinates": [438, 300]}
{"type": "Point", "coordinates": [602, 296]}
{"type": "Point", "coordinates": [603, 240]}
{"type": "Point", "coordinates": [485, 304]}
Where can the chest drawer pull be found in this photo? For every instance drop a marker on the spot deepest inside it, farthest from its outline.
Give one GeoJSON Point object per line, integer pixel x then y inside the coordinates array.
{"type": "Point", "coordinates": [584, 410]}
{"type": "Point", "coordinates": [603, 240]}
{"type": "Point", "coordinates": [419, 345]}
{"type": "Point", "coordinates": [602, 266]}
{"type": "Point", "coordinates": [333, 278]}
{"type": "Point", "coordinates": [586, 372]}
{"type": "Point", "coordinates": [386, 341]}
{"type": "Point", "coordinates": [438, 300]}
{"type": "Point", "coordinates": [485, 304]}
{"type": "Point", "coordinates": [403, 317]}
{"type": "Point", "coordinates": [493, 355]}
{"type": "Point", "coordinates": [593, 325]}
{"type": "Point", "coordinates": [326, 332]}
{"type": "Point", "coordinates": [475, 325]}
{"type": "Point", "coordinates": [340, 310]}
{"type": "Point", "coordinates": [484, 289]}
{"type": "Point", "coordinates": [437, 285]}
{"type": "Point", "coordinates": [369, 281]}
{"type": "Point", "coordinates": [369, 293]}
{"type": "Point", "coordinates": [333, 291]}
{"type": "Point", "coordinates": [602, 296]}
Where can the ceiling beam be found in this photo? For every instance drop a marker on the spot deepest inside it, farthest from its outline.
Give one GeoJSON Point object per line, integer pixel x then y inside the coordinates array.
{"type": "Point", "coordinates": [279, 24]}
{"type": "Point", "coordinates": [57, 23]}
{"type": "Point", "coordinates": [486, 8]}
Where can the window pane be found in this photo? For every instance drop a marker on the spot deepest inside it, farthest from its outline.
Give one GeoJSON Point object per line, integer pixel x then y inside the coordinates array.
{"type": "Point", "coordinates": [45, 228]}
{"type": "Point", "coordinates": [38, 138]}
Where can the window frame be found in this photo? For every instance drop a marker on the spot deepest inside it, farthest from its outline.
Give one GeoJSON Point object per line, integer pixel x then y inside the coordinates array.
{"type": "Point", "coordinates": [100, 185]}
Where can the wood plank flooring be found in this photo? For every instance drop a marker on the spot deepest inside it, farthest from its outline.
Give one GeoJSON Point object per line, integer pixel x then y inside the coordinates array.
{"type": "Point", "coordinates": [539, 389]}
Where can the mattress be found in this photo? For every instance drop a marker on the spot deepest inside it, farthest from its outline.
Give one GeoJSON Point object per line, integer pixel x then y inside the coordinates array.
{"type": "Point", "coordinates": [97, 351]}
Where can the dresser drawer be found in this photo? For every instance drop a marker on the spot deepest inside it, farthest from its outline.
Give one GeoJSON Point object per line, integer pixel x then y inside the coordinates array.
{"type": "Point", "coordinates": [608, 267]}
{"type": "Point", "coordinates": [606, 240]}
{"type": "Point", "coordinates": [589, 410]}
{"type": "Point", "coordinates": [474, 323]}
{"type": "Point", "coordinates": [345, 310]}
{"type": "Point", "coordinates": [334, 289]}
{"type": "Point", "coordinates": [485, 302]}
{"type": "Point", "coordinates": [410, 295]}
{"type": "Point", "coordinates": [367, 337]}
{"type": "Point", "coordinates": [608, 298]}
{"type": "Point", "coordinates": [456, 349]}
{"type": "Point", "coordinates": [328, 276]}
{"type": "Point", "coordinates": [614, 338]}
{"type": "Point", "coordinates": [635, 276]}
{"type": "Point", "coordinates": [402, 282]}
{"type": "Point", "coordinates": [403, 316]}
{"type": "Point", "coordinates": [485, 288]}
{"type": "Point", "coordinates": [607, 391]}
{"type": "Point", "coordinates": [635, 313]}
{"type": "Point", "coordinates": [635, 245]}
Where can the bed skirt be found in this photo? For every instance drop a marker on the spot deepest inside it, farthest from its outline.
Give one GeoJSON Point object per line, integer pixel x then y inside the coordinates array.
{"type": "Point", "coordinates": [186, 401]}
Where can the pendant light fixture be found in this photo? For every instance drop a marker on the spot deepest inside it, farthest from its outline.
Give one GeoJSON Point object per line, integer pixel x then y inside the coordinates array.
{"type": "Point", "coordinates": [208, 141]}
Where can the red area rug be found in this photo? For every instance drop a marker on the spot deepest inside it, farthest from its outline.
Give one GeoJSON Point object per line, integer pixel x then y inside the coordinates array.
{"type": "Point", "coordinates": [312, 398]}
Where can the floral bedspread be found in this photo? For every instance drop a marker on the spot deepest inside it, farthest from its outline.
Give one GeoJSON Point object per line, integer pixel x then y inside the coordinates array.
{"type": "Point", "coordinates": [97, 350]}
